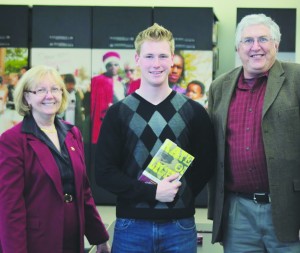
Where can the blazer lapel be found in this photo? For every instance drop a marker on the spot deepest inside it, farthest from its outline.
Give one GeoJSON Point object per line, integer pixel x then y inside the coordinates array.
{"type": "Point", "coordinates": [47, 161]}
{"type": "Point", "coordinates": [227, 91]}
{"type": "Point", "coordinates": [274, 84]}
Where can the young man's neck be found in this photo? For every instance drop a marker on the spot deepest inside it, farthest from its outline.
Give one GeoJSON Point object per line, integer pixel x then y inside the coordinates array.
{"type": "Point", "coordinates": [154, 95]}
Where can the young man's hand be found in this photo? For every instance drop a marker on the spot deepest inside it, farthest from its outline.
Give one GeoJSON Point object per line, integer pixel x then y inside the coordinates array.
{"type": "Point", "coordinates": [167, 188]}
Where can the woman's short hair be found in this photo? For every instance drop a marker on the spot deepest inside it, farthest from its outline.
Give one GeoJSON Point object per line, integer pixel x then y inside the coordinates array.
{"type": "Point", "coordinates": [257, 19]}
{"type": "Point", "coordinates": [30, 80]}
{"type": "Point", "coordinates": [154, 33]}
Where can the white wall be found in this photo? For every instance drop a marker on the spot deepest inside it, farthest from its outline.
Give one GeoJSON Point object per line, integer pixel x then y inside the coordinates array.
{"type": "Point", "coordinates": [225, 10]}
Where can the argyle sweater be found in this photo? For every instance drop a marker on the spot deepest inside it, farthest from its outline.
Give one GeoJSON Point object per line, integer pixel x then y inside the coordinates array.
{"type": "Point", "coordinates": [132, 131]}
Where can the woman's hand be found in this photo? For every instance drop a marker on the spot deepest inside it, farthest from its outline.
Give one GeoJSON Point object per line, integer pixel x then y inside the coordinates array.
{"type": "Point", "coordinates": [103, 248]}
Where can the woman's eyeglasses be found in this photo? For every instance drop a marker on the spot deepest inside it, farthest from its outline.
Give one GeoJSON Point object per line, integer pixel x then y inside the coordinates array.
{"type": "Point", "coordinates": [43, 91]}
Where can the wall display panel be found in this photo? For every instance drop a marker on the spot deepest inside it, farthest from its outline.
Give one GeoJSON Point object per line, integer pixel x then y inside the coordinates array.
{"type": "Point", "coordinates": [61, 26]}
{"type": "Point", "coordinates": [14, 26]}
{"type": "Point", "coordinates": [117, 27]}
{"type": "Point", "coordinates": [61, 38]}
{"type": "Point", "coordinates": [192, 27]}
{"type": "Point", "coordinates": [286, 20]}
{"type": "Point", "coordinates": [194, 31]}
{"type": "Point", "coordinates": [112, 51]}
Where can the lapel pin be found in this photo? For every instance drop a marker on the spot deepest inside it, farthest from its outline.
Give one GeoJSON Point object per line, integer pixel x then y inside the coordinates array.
{"type": "Point", "coordinates": [72, 148]}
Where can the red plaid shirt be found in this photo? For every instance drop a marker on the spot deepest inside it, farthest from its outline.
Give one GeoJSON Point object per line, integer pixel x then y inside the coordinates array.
{"type": "Point", "coordinates": [246, 168]}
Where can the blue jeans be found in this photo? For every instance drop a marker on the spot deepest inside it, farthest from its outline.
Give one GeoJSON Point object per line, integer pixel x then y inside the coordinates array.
{"type": "Point", "coordinates": [249, 228]}
{"type": "Point", "coordinates": [143, 236]}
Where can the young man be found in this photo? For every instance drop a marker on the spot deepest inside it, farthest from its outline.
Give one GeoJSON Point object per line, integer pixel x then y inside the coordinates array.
{"type": "Point", "coordinates": [255, 194]}
{"type": "Point", "coordinates": [152, 217]}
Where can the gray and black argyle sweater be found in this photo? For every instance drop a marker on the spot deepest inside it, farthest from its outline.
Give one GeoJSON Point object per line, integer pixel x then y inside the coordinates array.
{"type": "Point", "coordinates": [132, 131]}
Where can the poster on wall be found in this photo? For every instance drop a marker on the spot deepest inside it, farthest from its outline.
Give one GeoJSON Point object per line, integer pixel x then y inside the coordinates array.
{"type": "Point", "coordinates": [13, 59]}
{"type": "Point", "coordinates": [61, 38]}
{"type": "Point", "coordinates": [191, 73]}
{"type": "Point", "coordinates": [113, 67]}
{"type": "Point", "coordinates": [286, 20]}
{"type": "Point", "coordinates": [195, 35]}
{"type": "Point", "coordinates": [193, 68]}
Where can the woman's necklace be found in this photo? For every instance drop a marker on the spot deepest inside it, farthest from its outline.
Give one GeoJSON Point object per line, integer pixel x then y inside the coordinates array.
{"type": "Point", "coordinates": [49, 131]}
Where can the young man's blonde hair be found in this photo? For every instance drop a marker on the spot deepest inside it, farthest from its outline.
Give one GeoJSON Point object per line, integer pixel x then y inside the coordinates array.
{"type": "Point", "coordinates": [154, 33]}
{"type": "Point", "coordinates": [30, 80]}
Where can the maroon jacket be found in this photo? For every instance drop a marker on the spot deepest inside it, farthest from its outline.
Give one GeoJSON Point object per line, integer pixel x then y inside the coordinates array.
{"type": "Point", "coordinates": [31, 199]}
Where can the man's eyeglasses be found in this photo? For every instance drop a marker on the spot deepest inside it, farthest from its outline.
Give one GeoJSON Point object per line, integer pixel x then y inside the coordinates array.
{"type": "Point", "coordinates": [249, 41]}
{"type": "Point", "coordinates": [43, 91]}
{"type": "Point", "coordinates": [129, 70]}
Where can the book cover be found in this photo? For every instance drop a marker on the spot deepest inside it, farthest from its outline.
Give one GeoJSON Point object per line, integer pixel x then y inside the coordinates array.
{"type": "Point", "coordinates": [169, 159]}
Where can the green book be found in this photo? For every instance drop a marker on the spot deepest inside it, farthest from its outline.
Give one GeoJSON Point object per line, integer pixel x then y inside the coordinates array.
{"type": "Point", "coordinates": [168, 160]}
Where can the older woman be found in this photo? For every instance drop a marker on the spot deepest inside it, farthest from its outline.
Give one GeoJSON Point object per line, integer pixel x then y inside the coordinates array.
{"type": "Point", "coordinates": [46, 204]}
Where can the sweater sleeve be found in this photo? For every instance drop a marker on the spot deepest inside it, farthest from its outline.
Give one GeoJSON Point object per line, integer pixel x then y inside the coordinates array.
{"type": "Point", "coordinates": [204, 150]}
{"type": "Point", "coordinates": [109, 168]}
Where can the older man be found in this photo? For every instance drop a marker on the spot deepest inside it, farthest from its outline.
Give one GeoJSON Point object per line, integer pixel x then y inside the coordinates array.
{"type": "Point", "coordinates": [255, 194]}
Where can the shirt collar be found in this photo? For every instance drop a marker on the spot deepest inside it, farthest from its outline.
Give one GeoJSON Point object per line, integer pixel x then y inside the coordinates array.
{"type": "Point", "coordinates": [29, 126]}
{"type": "Point", "coordinates": [246, 84]}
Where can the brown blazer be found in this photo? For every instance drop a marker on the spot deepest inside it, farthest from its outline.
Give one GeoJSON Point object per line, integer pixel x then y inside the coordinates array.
{"type": "Point", "coordinates": [281, 138]}
{"type": "Point", "coordinates": [31, 195]}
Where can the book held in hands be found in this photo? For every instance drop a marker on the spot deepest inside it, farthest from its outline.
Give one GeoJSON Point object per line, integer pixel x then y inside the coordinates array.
{"type": "Point", "coordinates": [169, 159]}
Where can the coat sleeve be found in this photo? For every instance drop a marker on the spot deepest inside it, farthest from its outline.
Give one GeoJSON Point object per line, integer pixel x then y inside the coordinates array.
{"type": "Point", "coordinates": [95, 230]}
{"type": "Point", "coordinates": [212, 183]}
{"type": "Point", "coordinates": [13, 235]}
